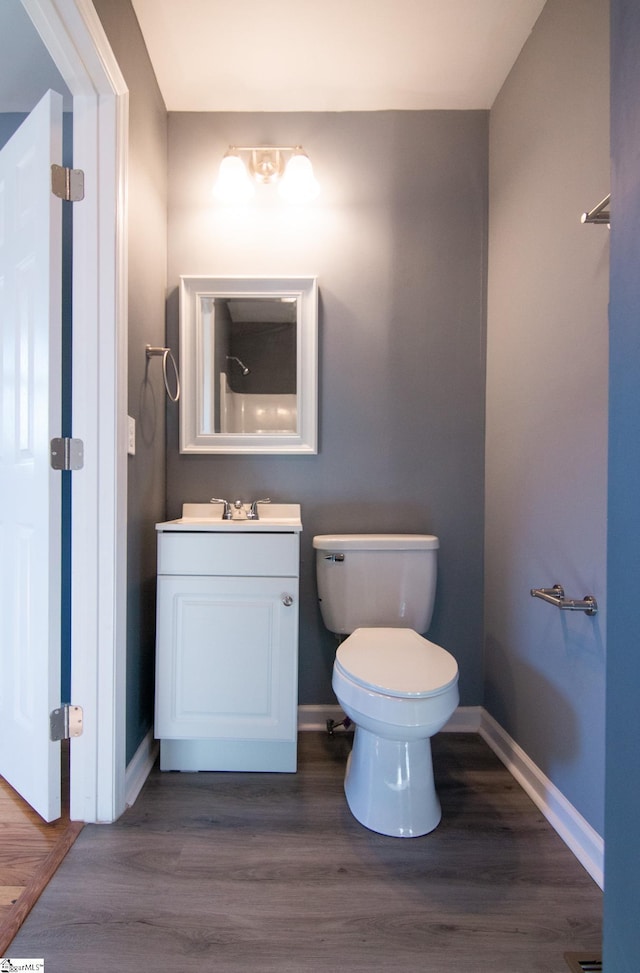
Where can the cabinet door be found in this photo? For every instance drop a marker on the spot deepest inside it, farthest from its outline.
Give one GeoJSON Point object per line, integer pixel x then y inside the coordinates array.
{"type": "Point", "coordinates": [227, 655]}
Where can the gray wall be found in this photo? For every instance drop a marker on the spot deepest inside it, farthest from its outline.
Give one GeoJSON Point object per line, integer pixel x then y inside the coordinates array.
{"type": "Point", "coordinates": [546, 451]}
{"type": "Point", "coordinates": [147, 202]}
{"type": "Point", "coordinates": [397, 240]}
{"type": "Point", "coordinates": [622, 872]}
{"type": "Point", "coordinates": [27, 69]}
{"type": "Point", "coordinates": [9, 123]}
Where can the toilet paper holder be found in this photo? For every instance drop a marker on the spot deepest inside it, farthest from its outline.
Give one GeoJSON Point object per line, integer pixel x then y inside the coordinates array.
{"type": "Point", "coordinates": [555, 596]}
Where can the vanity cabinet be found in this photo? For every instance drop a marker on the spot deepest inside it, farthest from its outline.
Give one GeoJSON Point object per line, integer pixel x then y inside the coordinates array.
{"type": "Point", "coordinates": [227, 647]}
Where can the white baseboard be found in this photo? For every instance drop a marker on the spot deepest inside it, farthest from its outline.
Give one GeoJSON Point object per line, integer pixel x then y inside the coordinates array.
{"type": "Point", "coordinates": [583, 840]}
{"type": "Point", "coordinates": [139, 768]}
{"type": "Point", "coordinates": [585, 843]}
{"type": "Point", "coordinates": [312, 717]}
{"type": "Point", "coordinates": [466, 719]}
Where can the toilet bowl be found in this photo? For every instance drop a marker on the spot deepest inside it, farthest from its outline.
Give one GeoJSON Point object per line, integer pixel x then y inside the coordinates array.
{"type": "Point", "coordinates": [396, 686]}
{"type": "Point", "coordinates": [398, 689]}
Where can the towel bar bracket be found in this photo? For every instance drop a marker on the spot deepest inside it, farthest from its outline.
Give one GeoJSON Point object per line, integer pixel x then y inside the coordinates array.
{"type": "Point", "coordinates": [600, 213]}
{"type": "Point", "coordinates": [555, 596]}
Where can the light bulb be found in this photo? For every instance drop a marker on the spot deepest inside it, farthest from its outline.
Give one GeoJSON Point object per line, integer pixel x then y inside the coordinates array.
{"type": "Point", "coordinates": [298, 184]}
{"type": "Point", "coordinates": [233, 184]}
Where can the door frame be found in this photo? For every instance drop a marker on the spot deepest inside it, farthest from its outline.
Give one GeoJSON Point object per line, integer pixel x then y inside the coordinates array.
{"type": "Point", "coordinates": [75, 38]}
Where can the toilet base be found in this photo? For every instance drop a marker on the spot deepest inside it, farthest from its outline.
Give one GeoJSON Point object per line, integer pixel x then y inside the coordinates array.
{"type": "Point", "coordinates": [389, 785]}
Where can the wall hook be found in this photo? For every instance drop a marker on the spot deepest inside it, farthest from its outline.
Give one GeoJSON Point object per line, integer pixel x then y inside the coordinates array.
{"type": "Point", "coordinates": [166, 353]}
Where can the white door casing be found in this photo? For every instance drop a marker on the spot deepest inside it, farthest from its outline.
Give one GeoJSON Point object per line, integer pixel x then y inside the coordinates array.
{"type": "Point", "coordinates": [30, 410]}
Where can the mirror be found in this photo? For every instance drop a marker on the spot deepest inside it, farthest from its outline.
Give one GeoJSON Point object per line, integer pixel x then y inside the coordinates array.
{"type": "Point", "coordinates": [248, 358]}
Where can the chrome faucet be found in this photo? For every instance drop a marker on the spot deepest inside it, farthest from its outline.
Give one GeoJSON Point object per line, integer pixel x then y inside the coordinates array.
{"type": "Point", "coordinates": [253, 512]}
{"type": "Point", "coordinates": [226, 513]}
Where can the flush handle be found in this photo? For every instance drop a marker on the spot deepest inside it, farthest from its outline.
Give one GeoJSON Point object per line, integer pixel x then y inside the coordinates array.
{"type": "Point", "coordinates": [287, 601]}
{"type": "Point", "coordinates": [334, 557]}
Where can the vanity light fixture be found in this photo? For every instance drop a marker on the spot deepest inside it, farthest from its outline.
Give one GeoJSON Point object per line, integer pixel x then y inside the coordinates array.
{"type": "Point", "coordinates": [288, 166]}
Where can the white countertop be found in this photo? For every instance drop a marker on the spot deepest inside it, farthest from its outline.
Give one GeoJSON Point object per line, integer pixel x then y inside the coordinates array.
{"type": "Point", "coordinates": [273, 517]}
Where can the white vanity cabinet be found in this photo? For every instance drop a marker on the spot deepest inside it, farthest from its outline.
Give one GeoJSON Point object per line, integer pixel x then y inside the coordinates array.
{"type": "Point", "coordinates": [227, 644]}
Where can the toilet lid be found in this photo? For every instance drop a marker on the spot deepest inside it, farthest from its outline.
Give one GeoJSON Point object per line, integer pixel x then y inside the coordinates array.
{"type": "Point", "coordinates": [397, 661]}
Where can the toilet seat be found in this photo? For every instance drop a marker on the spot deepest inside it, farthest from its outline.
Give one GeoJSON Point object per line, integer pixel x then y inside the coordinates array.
{"type": "Point", "coordinates": [397, 662]}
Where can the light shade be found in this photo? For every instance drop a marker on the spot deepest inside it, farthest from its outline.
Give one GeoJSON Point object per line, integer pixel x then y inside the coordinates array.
{"type": "Point", "coordinates": [233, 184]}
{"type": "Point", "coordinates": [298, 184]}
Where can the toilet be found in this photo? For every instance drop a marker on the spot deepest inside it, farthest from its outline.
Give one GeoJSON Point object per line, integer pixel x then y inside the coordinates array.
{"type": "Point", "coordinates": [396, 686]}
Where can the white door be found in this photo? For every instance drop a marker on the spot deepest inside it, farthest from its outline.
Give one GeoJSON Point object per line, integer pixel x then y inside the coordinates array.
{"type": "Point", "coordinates": [30, 368]}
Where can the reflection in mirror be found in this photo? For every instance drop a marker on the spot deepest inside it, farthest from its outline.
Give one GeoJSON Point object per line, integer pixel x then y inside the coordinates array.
{"type": "Point", "coordinates": [253, 342]}
{"type": "Point", "coordinates": [248, 350]}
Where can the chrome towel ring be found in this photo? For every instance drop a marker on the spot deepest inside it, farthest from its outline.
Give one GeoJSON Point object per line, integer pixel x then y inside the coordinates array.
{"type": "Point", "coordinates": [166, 353]}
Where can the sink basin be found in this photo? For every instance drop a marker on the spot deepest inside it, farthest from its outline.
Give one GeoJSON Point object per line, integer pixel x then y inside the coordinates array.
{"type": "Point", "coordinates": [208, 516]}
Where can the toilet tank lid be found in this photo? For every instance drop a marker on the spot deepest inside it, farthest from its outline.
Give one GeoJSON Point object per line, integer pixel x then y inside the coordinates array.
{"type": "Point", "coordinates": [375, 542]}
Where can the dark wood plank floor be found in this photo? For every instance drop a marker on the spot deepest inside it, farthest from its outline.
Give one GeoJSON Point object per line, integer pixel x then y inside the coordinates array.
{"type": "Point", "coordinates": [241, 872]}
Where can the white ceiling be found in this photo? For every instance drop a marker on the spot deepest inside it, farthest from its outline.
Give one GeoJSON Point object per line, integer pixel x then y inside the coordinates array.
{"type": "Point", "coordinates": [333, 55]}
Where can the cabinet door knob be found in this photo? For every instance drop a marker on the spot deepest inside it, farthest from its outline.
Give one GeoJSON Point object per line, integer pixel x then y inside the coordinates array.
{"type": "Point", "coordinates": [287, 600]}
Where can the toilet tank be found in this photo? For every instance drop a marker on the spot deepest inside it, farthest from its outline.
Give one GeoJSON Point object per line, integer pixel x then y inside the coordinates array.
{"type": "Point", "coordinates": [376, 580]}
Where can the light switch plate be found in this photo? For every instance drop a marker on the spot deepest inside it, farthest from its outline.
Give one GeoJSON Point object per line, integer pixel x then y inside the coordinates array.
{"type": "Point", "coordinates": [131, 441]}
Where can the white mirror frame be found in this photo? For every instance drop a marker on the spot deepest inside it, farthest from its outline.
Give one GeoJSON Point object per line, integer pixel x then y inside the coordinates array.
{"type": "Point", "coordinates": [192, 437]}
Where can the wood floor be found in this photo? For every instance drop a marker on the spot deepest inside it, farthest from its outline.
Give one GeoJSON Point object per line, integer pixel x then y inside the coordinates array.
{"type": "Point", "coordinates": [252, 872]}
{"type": "Point", "coordinates": [30, 853]}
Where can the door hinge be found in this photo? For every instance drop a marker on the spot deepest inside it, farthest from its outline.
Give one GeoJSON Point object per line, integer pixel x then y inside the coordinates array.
{"type": "Point", "coordinates": [67, 454]}
{"type": "Point", "coordinates": [65, 722]}
{"type": "Point", "coordinates": [67, 184]}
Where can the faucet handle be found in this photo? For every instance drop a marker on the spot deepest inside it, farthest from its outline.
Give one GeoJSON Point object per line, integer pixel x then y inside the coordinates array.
{"type": "Point", "coordinates": [253, 513]}
{"type": "Point", "coordinates": [226, 513]}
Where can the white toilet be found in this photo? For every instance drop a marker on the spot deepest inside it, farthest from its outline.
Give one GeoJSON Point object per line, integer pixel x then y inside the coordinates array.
{"type": "Point", "coordinates": [397, 687]}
